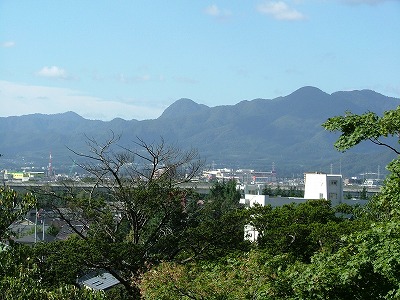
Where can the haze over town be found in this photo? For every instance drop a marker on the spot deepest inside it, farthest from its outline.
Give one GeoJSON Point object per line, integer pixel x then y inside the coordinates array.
{"type": "Point", "coordinates": [132, 59]}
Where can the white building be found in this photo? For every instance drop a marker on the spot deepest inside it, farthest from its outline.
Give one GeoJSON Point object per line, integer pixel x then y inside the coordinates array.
{"type": "Point", "coordinates": [317, 186]}
{"type": "Point", "coordinates": [263, 200]}
{"type": "Point", "coordinates": [324, 186]}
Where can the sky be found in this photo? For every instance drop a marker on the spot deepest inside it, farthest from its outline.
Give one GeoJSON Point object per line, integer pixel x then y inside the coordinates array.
{"type": "Point", "coordinates": [132, 59]}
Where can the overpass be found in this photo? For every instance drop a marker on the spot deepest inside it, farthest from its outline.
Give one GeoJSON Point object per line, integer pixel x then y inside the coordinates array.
{"type": "Point", "coordinates": [200, 187]}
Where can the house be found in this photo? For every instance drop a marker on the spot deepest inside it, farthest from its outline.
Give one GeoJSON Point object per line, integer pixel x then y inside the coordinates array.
{"type": "Point", "coordinates": [98, 280]}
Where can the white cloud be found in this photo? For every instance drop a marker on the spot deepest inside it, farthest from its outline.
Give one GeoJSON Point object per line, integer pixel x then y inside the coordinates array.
{"type": "Point", "coordinates": [28, 99]}
{"type": "Point", "coordinates": [214, 11]}
{"type": "Point", "coordinates": [279, 10]}
{"type": "Point", "coordinates": [7, 44]}
{"type": "Point", "coordinates": [52, 72]}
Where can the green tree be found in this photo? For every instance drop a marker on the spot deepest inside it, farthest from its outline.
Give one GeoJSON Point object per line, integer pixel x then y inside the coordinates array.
{"type": "Point", "coordinates": [12, 208]}
{"type": "Point", "coordinates": [299, 230]}
{"type": "Point", "coordinates": [223, 197]}
{"type": "Point", "coordinates": [135, 213]}
{"type": "Point", "coordinates": [21, 278]}
{"type": "Point", "coordinates": [365, 267]}
{"type": "Point", "coordinates": [267, 190]}
{"type": "Point", "coordinates": [63, 261]}
{"type": "Point", "coordinates": [306, 251]}
{"type": "Point", "coordinates": [242, 276]}
{"type": "Point", "coordinates": [215, 225]}
{"type": "Point", "coordinates": [363, 193]}
{"type": "Point", "coordinates": [367, 263]}
{"type": "Point", "coordinates": [369, 127]}
{"type": "Point", "coordinates": [385, 206]}
{"type": "Point", "coordinates": [357, 128]}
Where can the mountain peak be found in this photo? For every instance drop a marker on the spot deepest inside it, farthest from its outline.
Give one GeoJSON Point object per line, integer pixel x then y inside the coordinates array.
{"type": "Point", "coordinates": [308, 91]}
{"type": "Point", "coordinates": [181, 107]}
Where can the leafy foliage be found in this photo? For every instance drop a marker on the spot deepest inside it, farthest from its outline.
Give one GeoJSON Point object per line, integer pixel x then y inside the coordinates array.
{"type": "Point", "coordinates": [367, 267]}
{"type": "Point", "coordinates": [385, 206]}
{"type": "Point", "coordinates": [369, 126]}
{"type": "Point", "coordinates": [136, 215]}
{"type": "Point", "coordinates": [215, 224]}
{"type": "Point", "coordinates": [12, 208]}
{"type": "Point", "coordinates": [21, 278]}
{"type": "Point", "coordinates": [231, 277]}
{"type": "Point", "coordinates": [307, 251]}
{"type": "Point", "coordinates": [299, 230]}
{"type": "Point", "coordinates": [164, 242]}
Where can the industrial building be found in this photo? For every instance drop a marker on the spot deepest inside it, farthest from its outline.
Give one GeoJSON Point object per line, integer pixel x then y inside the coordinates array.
{"type": "Point", "coordinates": [317, 186]}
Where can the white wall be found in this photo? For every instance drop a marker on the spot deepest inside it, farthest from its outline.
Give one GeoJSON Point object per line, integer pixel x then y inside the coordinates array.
{"type": "Point", "coordinates": [250, 200]}
{"type": "Point", "coordinates": [324, 186]}
{"type": "Point", "coordinates": [315, 186]}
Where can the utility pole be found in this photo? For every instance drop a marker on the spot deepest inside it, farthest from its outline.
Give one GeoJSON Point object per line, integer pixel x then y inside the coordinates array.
{"type": "Point", "coordinates": [43, 229]}
{"type": "Point", "coordinates": [3, 179]}
{"type": "Point", "coordinates": [36, 217]}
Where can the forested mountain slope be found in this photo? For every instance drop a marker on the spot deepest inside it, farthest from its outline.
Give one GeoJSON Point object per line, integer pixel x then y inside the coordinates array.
{"type": "Point", "coordinates": [286, 131]}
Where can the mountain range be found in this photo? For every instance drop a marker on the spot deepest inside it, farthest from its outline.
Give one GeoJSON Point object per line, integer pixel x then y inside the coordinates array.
{"type": "Point", "coordinates": [285, 131]}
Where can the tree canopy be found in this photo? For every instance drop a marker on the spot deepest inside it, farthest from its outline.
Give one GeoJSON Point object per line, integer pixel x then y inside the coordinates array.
{"type": "Point", "coordinates": [355, 128]}
{"type": "Point", "coordinates": [12, 207]}
{"type": "Point", "coordinates": [311, 250]}
{"type": "Point", "coordinates": [135, 214]}
{"type": "Point", "coordinates": [162, 241]}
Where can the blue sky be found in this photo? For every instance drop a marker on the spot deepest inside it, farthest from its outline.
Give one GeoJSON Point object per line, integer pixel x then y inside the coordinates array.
{"type": "Point", "coordinates": [132, 59]}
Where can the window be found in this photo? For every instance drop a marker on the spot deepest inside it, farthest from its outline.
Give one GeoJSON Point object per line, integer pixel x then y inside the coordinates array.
{"type": "Point", "coordinates": [333, 182]}
{"type": "Point", "coordinates": [332, 196]}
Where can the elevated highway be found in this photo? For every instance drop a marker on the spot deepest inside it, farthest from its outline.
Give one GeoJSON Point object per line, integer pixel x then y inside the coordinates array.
{"type": "Point", "coordinates": [200, 187]}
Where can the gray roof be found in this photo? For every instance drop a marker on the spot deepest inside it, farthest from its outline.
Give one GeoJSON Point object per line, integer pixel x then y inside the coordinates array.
{"type": "Point", "coordinates": [30, 239]}
{"type": "Point", "coordinates": [99, 280]}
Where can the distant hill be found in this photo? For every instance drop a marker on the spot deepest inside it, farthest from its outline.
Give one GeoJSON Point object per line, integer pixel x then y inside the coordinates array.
{"type": "Point", "coordinates": [251, 134]}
